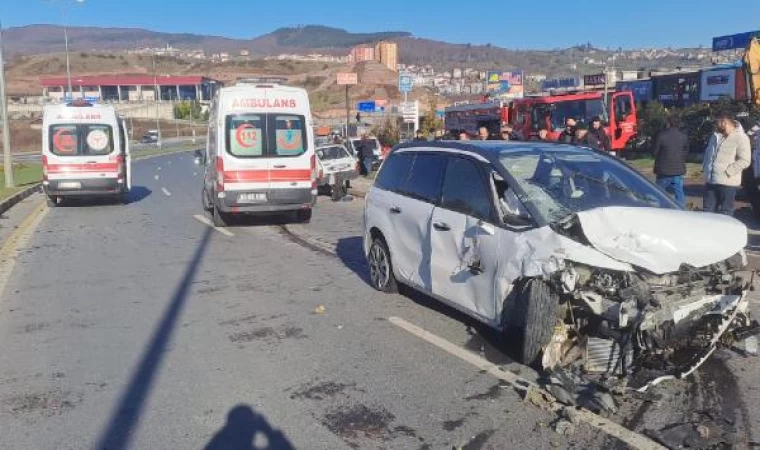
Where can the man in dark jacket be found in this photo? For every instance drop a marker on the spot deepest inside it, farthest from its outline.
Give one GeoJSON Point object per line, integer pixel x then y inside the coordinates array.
{"type": "Point", "coordinates": [366, 154]}
{"type": "Point", "coordinates": [568, 135]}
{"type": "Point", "coordinates": [597, 138]}
{"type": "Point", "coordinates": [671, 146]}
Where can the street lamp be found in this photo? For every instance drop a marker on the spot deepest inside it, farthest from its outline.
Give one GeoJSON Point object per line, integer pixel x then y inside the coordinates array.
{"type": "Point", "coordinates": [65, 4]}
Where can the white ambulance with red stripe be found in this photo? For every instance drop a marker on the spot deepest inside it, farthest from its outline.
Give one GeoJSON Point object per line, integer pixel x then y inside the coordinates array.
{"type": "Point", "coordinates": [260, 152]}
{"type": "Point", "coordinates": [85, 152]}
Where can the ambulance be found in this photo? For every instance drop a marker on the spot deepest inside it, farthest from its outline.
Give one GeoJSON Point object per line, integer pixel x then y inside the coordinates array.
{"type": "Point", "coordinates": [260, 153]}
{"type": "Point", "coordinates": [85, 152]}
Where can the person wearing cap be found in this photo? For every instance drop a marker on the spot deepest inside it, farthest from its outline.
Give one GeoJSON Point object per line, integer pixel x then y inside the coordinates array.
{"type": "Point", "coordinates": [671, 147]}
{"type": "Point", "coordinates": [568, 134]}
{"type": "Point", "coordinates": [506, 132]}
{"type": "Point", "coordinates": [728, 153]}
{"type": "Point", "coordinates": [597, 138]}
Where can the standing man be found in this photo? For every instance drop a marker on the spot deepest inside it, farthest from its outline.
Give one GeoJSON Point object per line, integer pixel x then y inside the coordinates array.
{"type": "Point", "coordinates": [463, 136]}
{"type": "Point", "coordinates": [671, 147]}
{"type": "Point", "coordinates": [728, 153]}
{"type": "Point", "coordinates": [482, 134]}
{"type": "Point", "coordinates": [568, 135]}
{"type": "Point", "coordinates": [366, 153]}
{"type": "Point", "coordinates": [597, 138]}
{"type": "Point", "coordinates": [506, 132]}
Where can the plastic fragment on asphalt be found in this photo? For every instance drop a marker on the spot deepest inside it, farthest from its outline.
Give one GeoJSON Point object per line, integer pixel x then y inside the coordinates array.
{"type": "Point", "coordinates": [750, 346]}
{"type": "Point", "coordinates": [320, 309]}
{"type": "Point", "coordinates": [564, 427]}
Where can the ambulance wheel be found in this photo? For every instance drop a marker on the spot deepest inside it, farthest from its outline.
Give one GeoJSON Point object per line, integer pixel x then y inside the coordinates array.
{"type": "Point", "coordinates": [220, 219]}
{"type": "Point", "coordinates": [205, 202]}
{"type": "Point", "coordinates": [51, 201]}
{"type": "Point", "coordinates": [304, 216]}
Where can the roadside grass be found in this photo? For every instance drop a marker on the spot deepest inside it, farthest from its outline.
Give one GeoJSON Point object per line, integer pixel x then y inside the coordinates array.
{"type": "Point", "coordinates": [24, 175]}
{"type": "Point", "coordinates": [645, 165]}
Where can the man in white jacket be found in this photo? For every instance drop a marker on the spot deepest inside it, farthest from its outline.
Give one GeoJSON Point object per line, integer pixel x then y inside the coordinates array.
{"type": "Point", "coordinates": [728, 153]}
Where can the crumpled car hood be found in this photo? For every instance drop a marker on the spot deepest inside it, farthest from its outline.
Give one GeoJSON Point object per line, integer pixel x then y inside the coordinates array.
{"type": "Point", "coordinates": [661, 240]}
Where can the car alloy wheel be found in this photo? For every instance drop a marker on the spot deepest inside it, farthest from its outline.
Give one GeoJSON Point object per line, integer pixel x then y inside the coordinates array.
{"type": "Point", "coordinates": [381, 267]}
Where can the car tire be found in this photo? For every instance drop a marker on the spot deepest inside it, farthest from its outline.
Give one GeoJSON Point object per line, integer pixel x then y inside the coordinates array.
{"type": "Point", "coordinates": [219, 218]}
{"type": "Point", "coordinates": [304, 216]}
{"type": "Point", "coordinates": [51, 201]}
{"type": "Point", "coordinates": [535, 316]}
{"type": "Point", "coordinates": [381, 267]}
{"type": "Point", "coordinates": [205, 202]}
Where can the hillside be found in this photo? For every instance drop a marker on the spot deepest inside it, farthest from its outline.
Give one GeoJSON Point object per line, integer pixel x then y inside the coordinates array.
{"type": "Point", "coordinates": [36, 39]}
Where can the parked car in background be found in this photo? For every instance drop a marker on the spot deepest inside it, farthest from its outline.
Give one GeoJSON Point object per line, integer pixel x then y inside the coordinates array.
{"type": "Point", "coordinates": [151, 137]}
{"type": "Point", "coordinates": [377, 150]}
{"type": "Point", "coordinates": [566, 250]}
{"type": "Point", "coordinates": [335, 164]}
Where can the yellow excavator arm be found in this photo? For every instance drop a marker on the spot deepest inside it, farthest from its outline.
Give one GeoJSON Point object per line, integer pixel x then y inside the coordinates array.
{"type": "Point", "coordinates": [752, 66]}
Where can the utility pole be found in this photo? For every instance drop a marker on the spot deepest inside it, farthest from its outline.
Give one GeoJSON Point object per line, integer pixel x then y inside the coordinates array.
{"type": "Point", "coordinates": [348, 112]}
{"type": "Point", "coordinates": [68, 59]}
{"type": "Point", "coordinates": [7, 161]}
{"type": "Point", "coordinates": [157, 99]}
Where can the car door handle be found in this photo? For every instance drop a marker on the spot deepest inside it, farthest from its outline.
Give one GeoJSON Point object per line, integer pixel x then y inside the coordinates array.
{"type": "Point", "coordinates": [440, 226]}
{"type": "Point", "coordinates": [395, 210]}
{"type": "Point", "coordinates": [280, 166]}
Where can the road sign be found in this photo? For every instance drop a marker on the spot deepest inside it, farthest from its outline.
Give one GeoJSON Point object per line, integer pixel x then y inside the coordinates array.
{"type": "Point", "coordinates": [368, 106]}
{"type": "Point", "coordinates": [409, 111]}
{"type": "Point", "coordinates": [559, 83]}
{"type": "Point", "coordinates": [734, 41]}
{"type": "Point", "coordinates": [405, 82]}
{"type": "Point", "coordinates": [348, 78]}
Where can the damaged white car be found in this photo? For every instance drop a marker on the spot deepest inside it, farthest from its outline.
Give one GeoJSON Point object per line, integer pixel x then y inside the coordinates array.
{"type": "Point", "coordinates": [576, 257]}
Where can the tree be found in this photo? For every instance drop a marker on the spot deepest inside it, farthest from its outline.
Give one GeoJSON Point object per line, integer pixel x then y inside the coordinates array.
{"type": "Point", "coordinates": [431, 122]}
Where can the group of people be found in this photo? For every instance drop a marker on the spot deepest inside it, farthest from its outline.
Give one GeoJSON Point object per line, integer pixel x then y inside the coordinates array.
{"type": "Point", "coordinates": [728, 153]}
{"type": "Point", "coordinates": [593, 136]}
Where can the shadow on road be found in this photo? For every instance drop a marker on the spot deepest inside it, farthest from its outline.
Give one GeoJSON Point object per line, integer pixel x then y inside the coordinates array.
{"type": "Point", "coordinates": [138, 193]}
{"type": "Point", "coordinates": [242, 429]}
{"type": "Point", "coordinates": [482, 339]}
{"type": "Point", "coordinates": [121, 426]}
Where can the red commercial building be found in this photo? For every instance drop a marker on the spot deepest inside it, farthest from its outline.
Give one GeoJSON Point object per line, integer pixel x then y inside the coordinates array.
{"type": "Point", "coordinates": [363, 53]}
{"type": "Point", "coordinates": [131, 88]}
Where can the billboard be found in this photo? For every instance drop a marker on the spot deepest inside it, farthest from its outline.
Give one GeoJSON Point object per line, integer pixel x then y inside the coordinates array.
{"type": "Point", "coordinates": [642, 89]}
{"type": "Point", "coordinates": [559, 83]}
{"type": "Point", "coordinates": [598, 79]}
{"type": "Point", "coordinates": [733, 41]}
{"type": "Point", "coordinates": [505, 84]}
{"type": "Point", "coordinates": [348, 78]}
{"type": "Point", "coordinates": [723, 83]}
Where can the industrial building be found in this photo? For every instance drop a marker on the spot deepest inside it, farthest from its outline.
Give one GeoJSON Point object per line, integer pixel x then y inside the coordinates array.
{"type": "Point", "coordinates": [131, 88]}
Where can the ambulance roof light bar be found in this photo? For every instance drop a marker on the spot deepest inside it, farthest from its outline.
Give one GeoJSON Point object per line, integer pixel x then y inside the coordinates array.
{"type": "Point", "coordinates": [80, 103]}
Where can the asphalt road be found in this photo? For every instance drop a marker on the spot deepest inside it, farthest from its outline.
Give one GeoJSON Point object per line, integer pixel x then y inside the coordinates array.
{"type": "Point", "coordinates": [139, 326]}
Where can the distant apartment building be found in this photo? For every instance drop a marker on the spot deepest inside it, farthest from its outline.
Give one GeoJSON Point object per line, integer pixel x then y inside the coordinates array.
{"type": "Point", "coordinates": [386, 53]}
{"type": "Point", "coordinates": [363, 53]}
{"type": "Point", "coordinates": [245, 53]}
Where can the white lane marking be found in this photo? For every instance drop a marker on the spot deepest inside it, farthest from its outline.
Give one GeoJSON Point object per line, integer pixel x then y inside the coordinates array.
{"type": "Point", "coordinates": [206, 221]}
{"type": "Point", "coordinates": [166, 192]}
{"type": "Point", "coordinates": [634, 440]}
{"type": "Point", "coordinates": [156, 177]}
{"type": "Point", "coordinates": [158, 168]}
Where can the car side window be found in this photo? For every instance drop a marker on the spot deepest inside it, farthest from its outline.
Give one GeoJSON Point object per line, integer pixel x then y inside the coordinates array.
{"type": "Point", "coordinates": [465, 190]}
{"type": "Point", "coordinates": [394, 172]}
{"type": "Point", "coordinates": [425, 179]}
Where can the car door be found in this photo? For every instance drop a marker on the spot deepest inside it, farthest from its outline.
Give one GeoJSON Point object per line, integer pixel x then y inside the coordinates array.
{"type": "Point", "coordinates": [464, 240]}
{"type": "Point", "coordinates": [409, 211]}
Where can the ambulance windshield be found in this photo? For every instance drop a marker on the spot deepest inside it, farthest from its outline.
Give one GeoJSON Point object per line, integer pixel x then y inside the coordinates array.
{"type": "Point", "coordinates": [266, 135]}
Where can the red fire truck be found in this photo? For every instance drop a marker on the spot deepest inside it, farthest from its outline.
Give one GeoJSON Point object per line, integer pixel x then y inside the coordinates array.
{"type": "Point", "coordinates": [530, 115]}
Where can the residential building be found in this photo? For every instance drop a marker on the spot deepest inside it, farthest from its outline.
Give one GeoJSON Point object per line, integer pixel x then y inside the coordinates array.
{"type": "Point", "coordinates": [362, 53]}
{"type": "Point", "coordinates": [386, 53]}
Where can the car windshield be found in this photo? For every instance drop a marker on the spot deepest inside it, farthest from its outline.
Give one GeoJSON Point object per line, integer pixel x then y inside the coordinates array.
{"type": "Point", "coordinates": [561, 183]}
{"type": "Point", "coordinates": [332, 152]}
{"type": "Point", "coordinates": [580, 110]}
